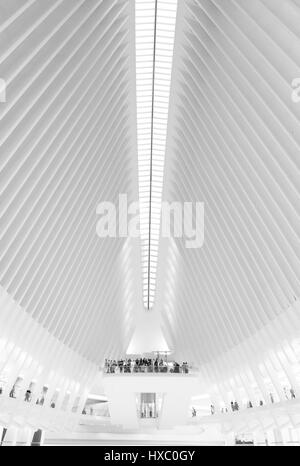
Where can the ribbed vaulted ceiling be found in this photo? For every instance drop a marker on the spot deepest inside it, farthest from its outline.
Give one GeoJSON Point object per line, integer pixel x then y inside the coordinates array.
{"type": "Point", "coordinates": [234, 144]}
{"type": "Point", "coordinates": [67, 143]}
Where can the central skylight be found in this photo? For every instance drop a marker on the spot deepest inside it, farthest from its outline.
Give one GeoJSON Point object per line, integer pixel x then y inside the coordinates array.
{"type": "Point", "coordinates": [155, 33]}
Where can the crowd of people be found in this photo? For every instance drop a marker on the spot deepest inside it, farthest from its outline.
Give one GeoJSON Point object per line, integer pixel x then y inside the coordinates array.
{"type": "Point", "coordinates": [27, 397]}
{"type": "Point", "coordinates": [234, 406]}
{"type": "Point", "coordinates": [144, 365]}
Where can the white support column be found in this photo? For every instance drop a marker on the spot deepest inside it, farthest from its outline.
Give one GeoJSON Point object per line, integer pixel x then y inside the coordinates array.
{"type": "Point", "coordinates": [230, 439]}
{"type": "Point", "coordinates": [24, 437]}
{"type": "Point", "coordinates": [278, 439]}
{"type": "Point", "coordinates": [42, 438]}
{"type": "Point", "coordinates": [10, 438]}
{"type": "Point", "coordinates": [82, 402]}
{"type": "Point", "coordinates": [259, 438]}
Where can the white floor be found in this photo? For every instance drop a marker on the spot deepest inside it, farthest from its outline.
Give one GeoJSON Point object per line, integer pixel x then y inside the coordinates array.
{"type": "Point", "coordinates": [189, 435]}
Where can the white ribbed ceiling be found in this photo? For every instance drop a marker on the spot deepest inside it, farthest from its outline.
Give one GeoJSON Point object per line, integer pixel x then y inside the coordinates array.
{"type": "Point", "coordinates": [67, 140]}
{"type": "Point", "coordinates": [234, 143]}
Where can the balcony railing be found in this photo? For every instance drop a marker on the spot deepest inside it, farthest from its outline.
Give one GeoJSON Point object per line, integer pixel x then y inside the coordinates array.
{"type": "Point", "coordinates": [154, 369]}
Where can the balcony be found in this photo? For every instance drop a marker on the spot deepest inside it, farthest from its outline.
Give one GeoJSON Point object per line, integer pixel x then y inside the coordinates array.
{"type": "Point", "coordinates": [168, 368]}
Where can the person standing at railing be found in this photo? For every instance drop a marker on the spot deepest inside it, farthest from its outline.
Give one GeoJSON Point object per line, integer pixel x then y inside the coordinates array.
{"type": "Point", "coordinates": [121, 363]}
{"type": "Point", "coordinates": [27, 396]}
{"type": "Point", "coordinates": [144, 365]}
{"type": "Point", "coordinates": [185, 367]}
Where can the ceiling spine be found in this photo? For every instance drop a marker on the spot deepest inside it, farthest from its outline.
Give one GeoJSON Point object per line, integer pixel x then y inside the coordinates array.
{"type": "Point", "coordinates": [155, 32]}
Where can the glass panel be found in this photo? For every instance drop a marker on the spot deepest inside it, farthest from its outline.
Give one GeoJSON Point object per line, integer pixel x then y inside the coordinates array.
{"type": "Point", "coordinates": [149, 405]}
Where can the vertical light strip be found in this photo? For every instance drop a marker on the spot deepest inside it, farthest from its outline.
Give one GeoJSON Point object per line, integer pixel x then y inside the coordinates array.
{"type": "Point", "coordinates": [155, 32]}
{"type": "Point", "coordinates": [151, 151]}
